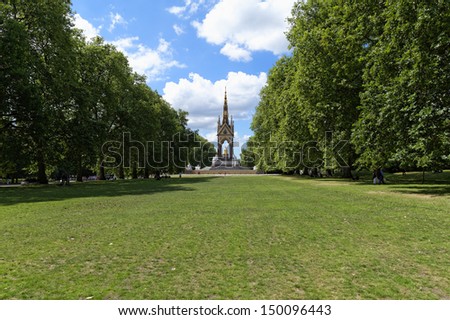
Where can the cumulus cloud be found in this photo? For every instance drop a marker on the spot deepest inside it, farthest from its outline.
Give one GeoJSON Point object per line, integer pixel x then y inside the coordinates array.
{"type": "Point", "coordinates": [116, 19]}
{"type": "Point", "coordinates": [203, 99]}
{"type": "Point", "coordinates": [151, 62]}
{"type": "Point", "coordinates": [241, 139]}
{"type": "Point", "coordinates": [190, 7]}
{"type": "Point", "coordinates": [144, 60]}
{"type": "Point", "coordinates": [178, 30]}
{"type": "Point", "coordinates": [211, 136]}
{"type": "Point", "coordinates": [251, 25]}
{"type": "Point", "coordinates": [89, 31]}
{"type": "Point", "coordinates": [236, 53]}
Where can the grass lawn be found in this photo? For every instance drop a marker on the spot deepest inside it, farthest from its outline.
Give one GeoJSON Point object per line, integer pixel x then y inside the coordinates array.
{"type": "Point", "coordinates": [247, 237]}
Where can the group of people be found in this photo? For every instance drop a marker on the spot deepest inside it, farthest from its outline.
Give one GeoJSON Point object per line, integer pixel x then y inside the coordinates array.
{"type": "Point", "coordinates": [161, 174]}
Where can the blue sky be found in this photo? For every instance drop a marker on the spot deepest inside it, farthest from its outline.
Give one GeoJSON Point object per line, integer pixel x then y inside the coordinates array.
{"type": "Point", "coordinates": [191, 49]}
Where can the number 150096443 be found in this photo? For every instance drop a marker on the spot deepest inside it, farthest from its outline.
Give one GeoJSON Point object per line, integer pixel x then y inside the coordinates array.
{"type": "Point", "coordinates": [293, 310]}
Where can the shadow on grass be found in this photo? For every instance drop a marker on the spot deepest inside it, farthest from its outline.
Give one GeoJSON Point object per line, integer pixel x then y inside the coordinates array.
{"type": "Point", "coordinates": [416, 178]}
{"type": "Point", "coordinates": [40, 193]}
{"type": "Point", "coordinates": [413, 187]}
{"type": "Point", "coordinates": [434, 185]}
{"type": "Point", "coordinates": [431, 190]}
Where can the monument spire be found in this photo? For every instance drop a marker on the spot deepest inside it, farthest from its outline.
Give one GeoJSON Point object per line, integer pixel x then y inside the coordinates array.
{"type": "Point", "coordinates": [225, 133]}
{"type": "Point", "coordinates": [225, 109]}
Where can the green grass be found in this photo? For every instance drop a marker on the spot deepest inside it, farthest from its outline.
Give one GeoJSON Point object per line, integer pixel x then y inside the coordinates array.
{"type": "Point", "coordinates": [251, 237]}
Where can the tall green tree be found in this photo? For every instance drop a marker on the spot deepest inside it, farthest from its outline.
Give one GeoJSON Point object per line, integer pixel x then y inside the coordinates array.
{"type": "Point", "coordinates": [331, 40]}
{"type": "Point", "coordinates": [311, 100]}
{"type": "Point", "coordinates": [62, 98]}
{"type": "Point", "coordinates": [36, 75]}
{"type": "Point", "coordinates": [405, 113]}
{"type": "Point", "coordinates": [279, 124]}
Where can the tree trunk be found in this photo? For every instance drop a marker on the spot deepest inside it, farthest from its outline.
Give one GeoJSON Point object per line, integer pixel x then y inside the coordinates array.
{"type": "Point", "coordinates": [121, 172]}
{"type": "Point", "coordinates": [79, 176]}
{"type": "Point", "coordinates": [79, 170]}
{"type": "Point", "coordinates": [101, 169]}
{"type": "Point", "coordinates": [347, 172]}
{"type": "Point", "coordinates": [134, 174]}
{"type": "Point", "coordinates": [41, 176]}
{"type": "Point", "coordinates": [146, 173]}
{"type": "Point", "coordinates": [102, 175]}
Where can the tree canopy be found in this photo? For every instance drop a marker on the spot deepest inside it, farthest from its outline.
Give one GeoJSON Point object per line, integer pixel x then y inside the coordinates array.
{"type": "Point", "coordinates": [366, 85]}
{"type": "Point", "coordinates": [72, 106]}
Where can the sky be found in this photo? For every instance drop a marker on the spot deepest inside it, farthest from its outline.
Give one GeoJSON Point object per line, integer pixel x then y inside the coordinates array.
{"type": "Point", "coordinates": [191, 50]}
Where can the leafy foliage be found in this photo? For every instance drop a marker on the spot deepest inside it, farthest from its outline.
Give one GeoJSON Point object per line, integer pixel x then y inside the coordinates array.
{"type": "Point", "coordinates": [62, 98]}
{"type": "Point", "coordinates": [405, 105]}
{"type": "Point", "coordinates": [366, 84]}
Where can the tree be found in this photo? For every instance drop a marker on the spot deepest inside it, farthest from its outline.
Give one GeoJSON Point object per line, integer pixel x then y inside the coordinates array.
{"type": "Point", "coordinates": [279, 125]}
{"type": "Point", "coordinates": [63, 98]}
{"type": "Point", "coordinates": [405, 115]}
{"type": "Point", "coordinates": [373, 73]}
{"type": "Point", "coordinates": [314, 94]}
{"type": "Point", "coordinates": [36, 75]}
{"type": "Point", "coordinates": [331, 40]}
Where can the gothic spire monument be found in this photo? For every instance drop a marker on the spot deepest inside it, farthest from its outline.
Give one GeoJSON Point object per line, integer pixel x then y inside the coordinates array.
{"type": "Point", "coordinates": [225, 133]}
{"type": "Point", "coordinates": [225, 160]}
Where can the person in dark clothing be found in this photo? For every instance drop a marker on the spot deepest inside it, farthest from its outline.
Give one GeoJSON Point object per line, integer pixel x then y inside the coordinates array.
{"type": "Point", "coordinates": [380, 176]}
{"type": "Point", "coordinates": [375, 177]}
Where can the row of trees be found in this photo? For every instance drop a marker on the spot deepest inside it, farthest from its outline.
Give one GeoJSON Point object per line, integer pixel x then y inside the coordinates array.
{"type": "Point", "coordinates": [62, 98]}
{"type": "Point", "coordinates": [367, 85]}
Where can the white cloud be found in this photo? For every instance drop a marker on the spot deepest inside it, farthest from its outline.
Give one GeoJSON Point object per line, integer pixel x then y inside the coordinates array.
{"type": "Point", "coordinates": [236, 53]}
{"type": "Point", "coordinates": [164, 46]}
{"type": "Point", "coordinates": [116, 19]}
{"type": "Point", "coordinates": [125, 43]}
{"type": "Point", "coordinates": [242, 140]}
{"type": "Point", "coordinates": [89, 31]}
{"type": "Point", "coordinates": [203, 99]}
{"type": "Point", "coordinates": [211, 136]}
{"type": "Point", "coordinates": [178, 30]}
{"type": "Point", "coordinates": [190, 7]}
{"type": "Point", "coordinates": [178, 11]}
{"type": "Point", "coordinates": [251, 25]}
{"type": "Point", "coordinates": [144, 60]}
